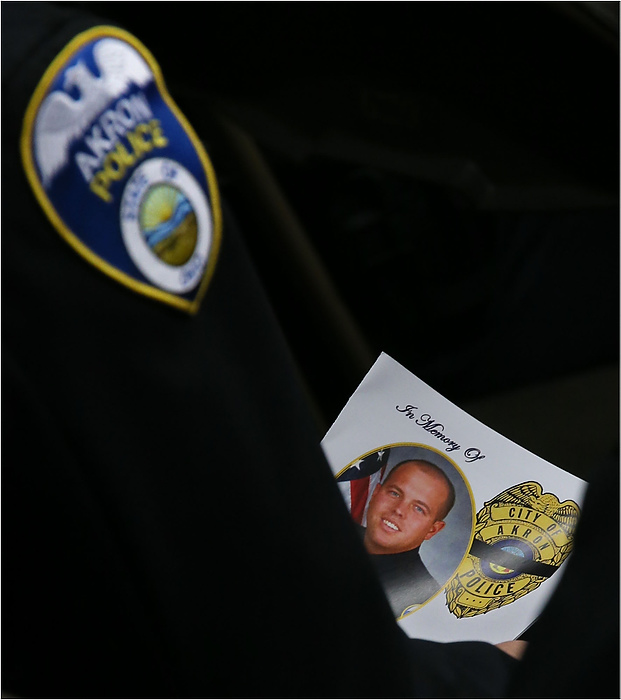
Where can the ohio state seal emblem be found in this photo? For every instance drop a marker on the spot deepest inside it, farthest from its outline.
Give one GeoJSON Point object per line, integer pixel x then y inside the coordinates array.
{"type": "Point", "coordinates": [521, 538]}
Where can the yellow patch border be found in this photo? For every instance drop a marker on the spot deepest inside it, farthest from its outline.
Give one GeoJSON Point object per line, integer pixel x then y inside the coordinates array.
{"type": "Point", "coordinates": [29, 166]}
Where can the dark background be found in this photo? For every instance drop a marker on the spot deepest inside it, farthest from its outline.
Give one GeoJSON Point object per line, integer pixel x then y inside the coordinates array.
{"type": "Point", "coordinates": [438, 181]}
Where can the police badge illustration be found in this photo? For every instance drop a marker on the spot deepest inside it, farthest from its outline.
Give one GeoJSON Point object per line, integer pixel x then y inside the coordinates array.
{"type": "Point", "coordinates": [521, 538]}
{"type": "Point", "coordinates": [119, 171]}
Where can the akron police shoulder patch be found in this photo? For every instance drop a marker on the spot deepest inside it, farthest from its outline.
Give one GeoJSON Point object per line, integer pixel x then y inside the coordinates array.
{"type": "Point", "coordinates": [119, 171]}
{"type": "Point", "coordinates": [521, 538]}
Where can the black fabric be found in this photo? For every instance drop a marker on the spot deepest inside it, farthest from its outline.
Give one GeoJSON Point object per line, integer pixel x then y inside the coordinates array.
{"type": "Point", "coordinates": [460, 669]}
{"type": "Point", "coordinates": [573, 647]}
{"type": "Point", "coordinates": [171, 527]}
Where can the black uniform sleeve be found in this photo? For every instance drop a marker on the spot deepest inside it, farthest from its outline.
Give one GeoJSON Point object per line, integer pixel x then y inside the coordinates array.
{"type": "Point", "coordinates": [573, 647]}
{"type": "Point", "coordinates": [171, 526]}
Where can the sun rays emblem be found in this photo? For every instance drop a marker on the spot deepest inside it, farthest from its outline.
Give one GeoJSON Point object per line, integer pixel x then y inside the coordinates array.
{"type": "Point", "coordinates": [168, 224]}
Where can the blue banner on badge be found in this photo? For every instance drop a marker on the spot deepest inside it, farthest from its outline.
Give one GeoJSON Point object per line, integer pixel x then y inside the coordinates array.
{"type": "Point", "coordinates": [120, 172]}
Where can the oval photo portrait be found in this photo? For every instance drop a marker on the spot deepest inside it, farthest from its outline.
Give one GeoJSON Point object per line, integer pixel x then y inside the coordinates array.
{"type": "Point", "coordinates": [414, 512]}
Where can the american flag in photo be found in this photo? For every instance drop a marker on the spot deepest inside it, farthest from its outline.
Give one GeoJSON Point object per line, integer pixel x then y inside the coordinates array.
{"type": "Point", "coordinates": [358, 481]}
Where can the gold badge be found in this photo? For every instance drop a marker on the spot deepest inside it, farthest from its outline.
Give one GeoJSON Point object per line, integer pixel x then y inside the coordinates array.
{"type": "Point", "coordinates": [521, 538]}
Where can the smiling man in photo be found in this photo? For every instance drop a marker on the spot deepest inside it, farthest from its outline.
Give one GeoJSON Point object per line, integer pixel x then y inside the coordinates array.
{"type": "Point", "coordinates": [408, 508]}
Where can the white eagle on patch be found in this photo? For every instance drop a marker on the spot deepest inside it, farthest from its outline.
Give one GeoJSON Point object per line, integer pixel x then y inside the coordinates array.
{"type": "Point", "coordinates": [61, 120]}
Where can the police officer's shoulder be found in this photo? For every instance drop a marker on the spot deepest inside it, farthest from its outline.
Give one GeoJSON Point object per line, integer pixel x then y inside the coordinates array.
{"type": "Point", "coordinates": [112, 161]}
